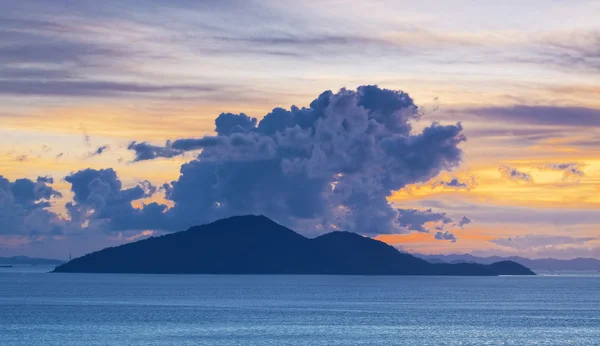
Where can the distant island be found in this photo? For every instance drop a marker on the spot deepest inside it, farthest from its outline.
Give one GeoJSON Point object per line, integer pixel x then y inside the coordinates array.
{"type": "Point", "coordinates": [24, 260]}
{"type": "Point", "coordinates": [575, 264]}
{"type": "Point", "coordinates": [257, 245]}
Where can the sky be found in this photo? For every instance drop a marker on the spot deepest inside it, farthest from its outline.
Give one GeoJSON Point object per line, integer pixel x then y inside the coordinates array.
{"type": "Point", "coordinates": [435, 126]}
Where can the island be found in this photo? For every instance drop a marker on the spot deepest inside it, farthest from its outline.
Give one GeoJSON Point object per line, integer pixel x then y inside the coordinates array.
{"type": "Point", "coordinates": [542, 264]}
{"type": "Point", "coordinates": [24, 260]}
{"type": "Point", "coordinates": [257, 245]}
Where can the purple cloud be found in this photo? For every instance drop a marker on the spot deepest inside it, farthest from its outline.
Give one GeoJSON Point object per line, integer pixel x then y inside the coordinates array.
{"type": "Point", "coordinates": [358, 142]}
{"type": "Point", "coordinates": [571, 171]}
{"type": "Point", "coordinates": [515, 175]}
{"type": "Point", "coordinates": [446, 236]}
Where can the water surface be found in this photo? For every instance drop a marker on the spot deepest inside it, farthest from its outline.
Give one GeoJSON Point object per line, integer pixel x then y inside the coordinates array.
{"type": "Point", "coordinates": [37, 308]}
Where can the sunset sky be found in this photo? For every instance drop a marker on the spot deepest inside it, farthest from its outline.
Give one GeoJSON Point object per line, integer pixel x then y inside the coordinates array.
{"type": "Point", "coordinates": [117, 101]}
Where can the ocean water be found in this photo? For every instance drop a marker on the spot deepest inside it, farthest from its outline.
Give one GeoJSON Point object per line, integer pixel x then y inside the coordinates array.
{"type": "Point", "coordinates": [37, 308]}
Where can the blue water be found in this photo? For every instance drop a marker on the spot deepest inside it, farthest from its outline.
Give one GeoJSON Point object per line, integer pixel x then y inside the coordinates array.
{"type": "Point", "coordinates": [96, 309]}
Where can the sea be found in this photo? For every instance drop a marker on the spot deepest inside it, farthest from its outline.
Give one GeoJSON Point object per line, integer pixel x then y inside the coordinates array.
{"type": "Point", "coordinates": [39, 308]}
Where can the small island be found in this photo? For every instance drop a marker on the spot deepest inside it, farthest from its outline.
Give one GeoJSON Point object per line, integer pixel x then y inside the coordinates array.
{"type": "Point", "coordinates": [7, 262]}
{"type": "Point", "coordinates": [257, 245]}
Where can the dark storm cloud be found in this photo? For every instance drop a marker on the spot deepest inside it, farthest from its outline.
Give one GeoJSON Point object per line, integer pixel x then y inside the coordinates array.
{"type": "Point", "coordinates": [415, 220]}
{"type": "Point", "coordinates": [24, 207]}
{"type": "Point", "coordinates": [446, 236]}
{"type": "Point", "coordinates": [515, 175]}
{"type": "Point", "coordinates": [335, 162]}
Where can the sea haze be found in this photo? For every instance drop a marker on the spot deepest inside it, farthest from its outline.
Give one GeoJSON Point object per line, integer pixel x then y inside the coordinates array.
{"type": "Point", "coordinates": [124, 309]}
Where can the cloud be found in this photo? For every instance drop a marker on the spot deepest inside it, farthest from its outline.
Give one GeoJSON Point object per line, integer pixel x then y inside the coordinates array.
{"type": "Point", "coordinates": [62, 54]}
{"type": "Point", "coordinates": [96, 88]}
{"type": "Point", "coordinates": [538, 115]}
{"type": "Point", "coordinates": [464, 221]}
{"type": "Point", "coordinates": [24, 207]}
{"type": "Point", "coordinates": [415, 220]}
{"type": "Point", "coordinates": [445, 236]}
{"type": "Point", "coordinates": [579, 50]}
{"type": "Point", "coordinates": [571, 171]}
{"type": "Point", "coordinates": [145, 151]}
{"type": "Point", "coordinates": [454, 182]}
{"type": "Point", "coordinates": [515, 175]}
{"type": "Point", "coordinates": [99, 151]}
{"type": "Point", "coordinates": [100, 203]}
{"type": "Point", "coordinates": [533, 241]}
{"type": "Point", "coordinates": [334, 163]}
{"type": "Point", "coordinates": [41, 56]}
{"type": "Point", "coordinates": [490, 212]}
{"type": "Point", "coordinates": [307, 45]}
{"type": "Point", "coordinates": [463, 183]}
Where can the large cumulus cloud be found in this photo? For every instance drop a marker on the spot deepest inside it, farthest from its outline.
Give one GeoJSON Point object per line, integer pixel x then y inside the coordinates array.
{"type": "Point", "coordinates": [101, 203]}
{"type": "Point", "coordinates": [328, 166]}
{"type": "Point", "coordinates": [24, 207]}
{"type": "Point", "coordinates": [335, 162]}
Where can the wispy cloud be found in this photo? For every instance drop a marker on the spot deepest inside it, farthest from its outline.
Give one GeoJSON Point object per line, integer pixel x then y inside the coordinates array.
{"type": "Point", "coordinates": [515, 175]}
{"type": "Point", "coordinates": [537, 241]}
{"type": "Point", "coordinates": [94, 88]}
{"type": "Point", "coordinates": [416, 220]}
{"type": "Point", "coordinates": [539, 115]}
{"type": "Point", "coordinates": [571, 171]}
{"type": "Point", "coordinates": [99, 151]}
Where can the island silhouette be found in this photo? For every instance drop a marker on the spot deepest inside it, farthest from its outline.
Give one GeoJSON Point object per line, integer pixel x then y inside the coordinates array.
{"type": "Point", "coordinates": [257, 245]}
